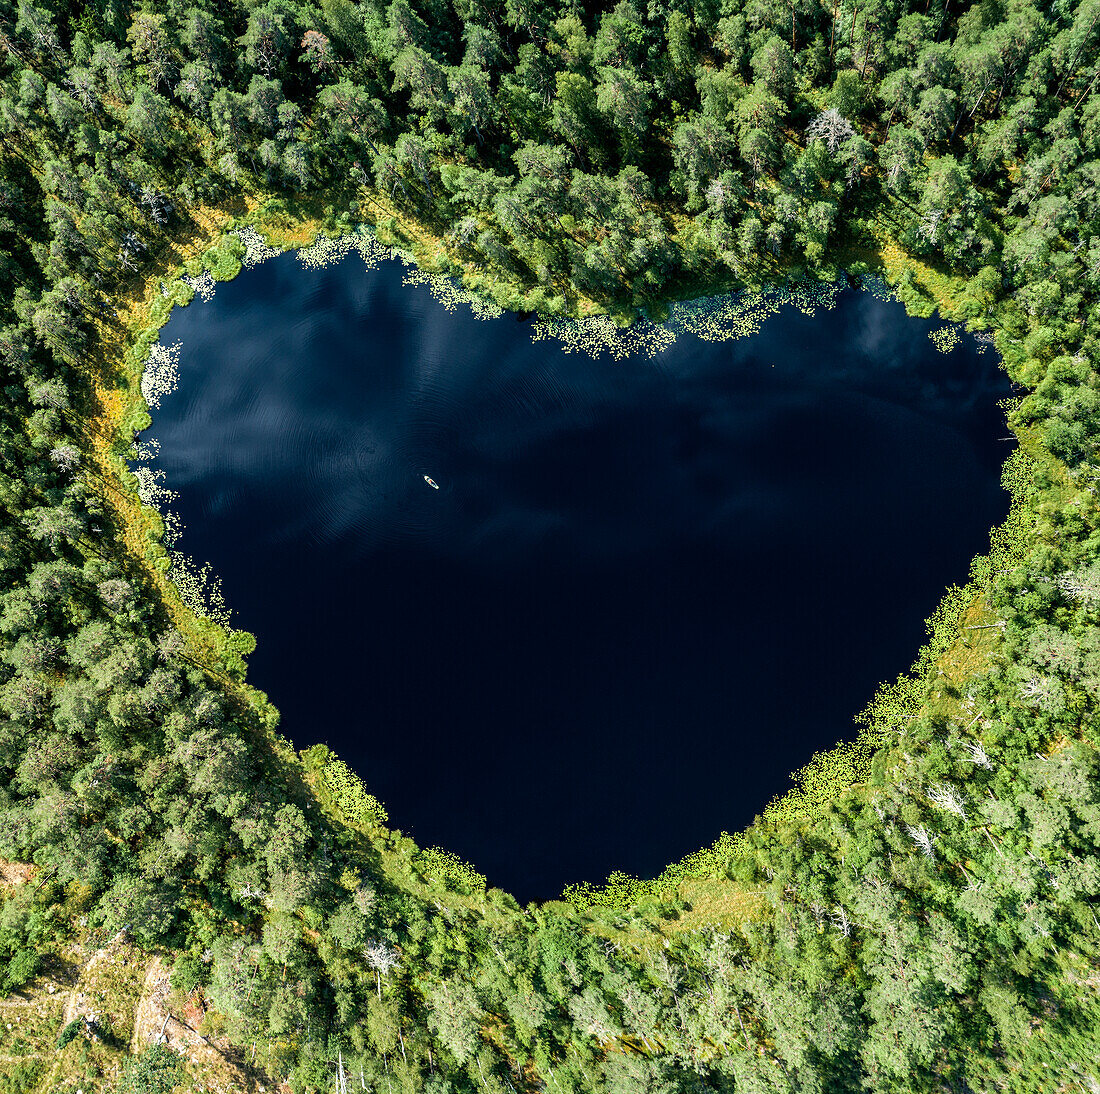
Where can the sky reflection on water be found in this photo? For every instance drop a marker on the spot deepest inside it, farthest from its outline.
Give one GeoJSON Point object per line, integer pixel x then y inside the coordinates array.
{"type": "Point", "coordinates": [645, 592]}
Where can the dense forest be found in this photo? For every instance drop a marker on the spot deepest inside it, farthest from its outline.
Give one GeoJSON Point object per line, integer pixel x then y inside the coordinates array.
{"type": "Point", "coordinates": [930, 927]}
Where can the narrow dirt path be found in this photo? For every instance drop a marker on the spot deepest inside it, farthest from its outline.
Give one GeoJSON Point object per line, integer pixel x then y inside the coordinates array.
{"type": "Point", "coordinates": [149, 1014]}
{"type": "Point", "coordinates": [75, 995]}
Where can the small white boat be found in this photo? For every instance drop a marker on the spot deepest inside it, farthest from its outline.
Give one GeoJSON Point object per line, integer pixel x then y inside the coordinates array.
{"type": "Point", "coordinates": [431, 482]}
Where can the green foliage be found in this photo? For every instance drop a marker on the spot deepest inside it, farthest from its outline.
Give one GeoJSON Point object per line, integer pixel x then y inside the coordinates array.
{"type": "Point", "coordinates": [21, 1076]}
{"type": "Point", "coordinates": [340, 787]}
{"type": "Point", "coordinates": [24, 925]}
{"type": "Point", "coordinates": [444, 868]}
{"type": "Point", "coordinates": [20, 968]}
{"type": "Point", "coordinates": [187, 973]}
{"type": "Point", "coordinates": [155, 1070]}
{"type": "Point", "coordinates": [919, 914]}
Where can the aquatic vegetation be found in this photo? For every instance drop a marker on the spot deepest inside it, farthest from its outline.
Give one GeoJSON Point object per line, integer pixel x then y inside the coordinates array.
{"type": "Point", "coordinates": [741, 314]}
{"type": "Point", "coordinates": [444, 867]}
{"type": "Point", "coordinates": [151, 487]}
{"type": "Point", "coordinates": [722, 318]}
{"type": "Point", "coordinates": [203, 284]}
{"type": "Point", "coordinates": [349, 796]}
{"type": "Point", "coordinates": [712, 319]}
{"type": "Point", "coordinates": [596, 334]}
{"type": "Point", "coordinates": [328, 250]}
{"type": "Point", "coordinates": [945, 339]}
{"type": "Point", "coordinates": [200, 588]}
{"type": "Point", "coordinates": [448, 292]}
{"type": "Point", "coordinates": [145, 449]}
{"type": "Point", "coordinates": [878, 287]}
{"type": "Point", "coordinates": [256, 248]}
{"type": "Point", "coordinates": [161, 372]}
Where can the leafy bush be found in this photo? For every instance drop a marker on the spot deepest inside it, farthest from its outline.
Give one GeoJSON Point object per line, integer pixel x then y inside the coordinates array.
{"type": "Point", "coordinates": [20, 970]}
{"type": "Point", "coordinates": [187, 973]}
{"type": "Point", "coordinates": [69, 1032]}
{"type": "Point", "coordinates": [154, 1071]}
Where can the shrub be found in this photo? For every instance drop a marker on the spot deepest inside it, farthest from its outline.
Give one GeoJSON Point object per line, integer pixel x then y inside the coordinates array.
{"type": "Point", "coordinates": [154, 1071]}
{"type": "Point", "coordinates": [21, 969]}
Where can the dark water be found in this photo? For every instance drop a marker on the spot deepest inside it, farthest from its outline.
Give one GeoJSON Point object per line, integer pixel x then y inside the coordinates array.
{"type": "Point", "coordinates": [645, 592]}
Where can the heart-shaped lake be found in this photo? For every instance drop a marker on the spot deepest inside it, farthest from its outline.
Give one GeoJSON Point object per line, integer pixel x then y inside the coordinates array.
{"type": "Point", "coordinates": [643, 593]}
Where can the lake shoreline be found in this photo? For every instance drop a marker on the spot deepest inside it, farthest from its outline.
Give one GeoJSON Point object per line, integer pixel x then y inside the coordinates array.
{"type": "Point", "coordinates": [824, 777]}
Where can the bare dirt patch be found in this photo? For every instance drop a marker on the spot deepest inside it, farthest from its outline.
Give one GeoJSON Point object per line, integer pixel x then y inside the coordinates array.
{"type": "Point", "coordinates": [15, 873]}
{"type": "Point", "coordinates": [160, 1017]}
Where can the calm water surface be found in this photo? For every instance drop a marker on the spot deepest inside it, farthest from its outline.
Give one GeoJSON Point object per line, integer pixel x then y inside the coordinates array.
{"type": "Point", "coordinates": [644, 593]}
